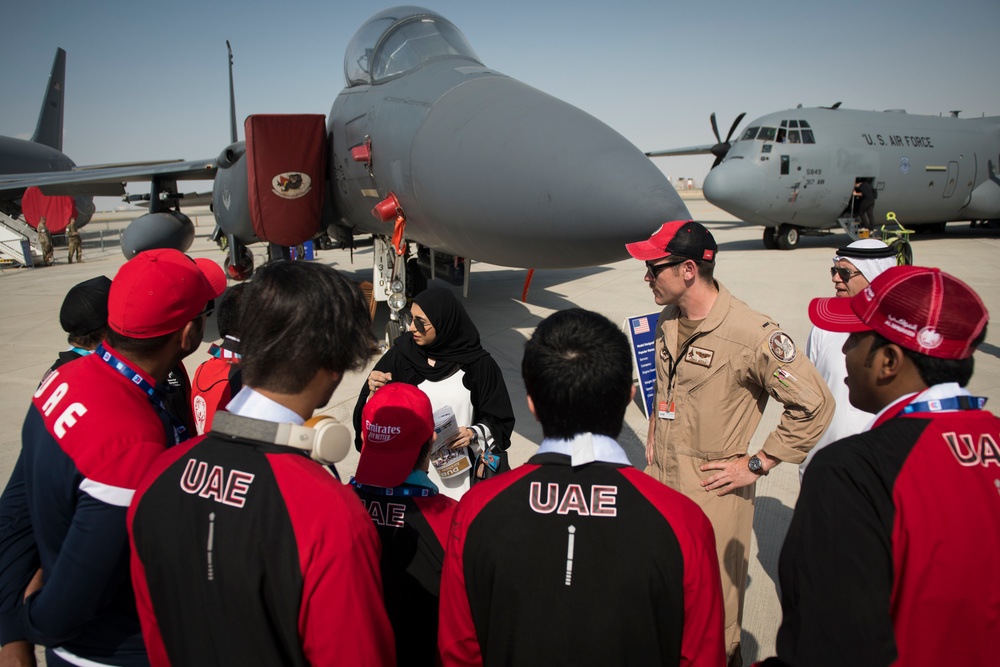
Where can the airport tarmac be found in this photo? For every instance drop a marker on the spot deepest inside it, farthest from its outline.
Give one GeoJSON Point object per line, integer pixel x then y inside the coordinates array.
{"type": "Point", "coordinates": [778, 283]}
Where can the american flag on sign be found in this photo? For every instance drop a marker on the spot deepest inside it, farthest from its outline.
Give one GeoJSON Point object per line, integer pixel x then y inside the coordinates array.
{"type": "Point", "coordinates": [640, 325]}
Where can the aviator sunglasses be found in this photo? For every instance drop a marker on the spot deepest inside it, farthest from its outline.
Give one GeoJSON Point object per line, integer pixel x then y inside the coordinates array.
{"type": "Point", "coordinates": [422, 325]}
{"type": "Point", "coordinates": [845, 274]}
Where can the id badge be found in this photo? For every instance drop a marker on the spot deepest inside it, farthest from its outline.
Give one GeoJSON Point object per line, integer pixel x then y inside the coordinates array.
{"type": "Point", "coordinates": [666, 410]}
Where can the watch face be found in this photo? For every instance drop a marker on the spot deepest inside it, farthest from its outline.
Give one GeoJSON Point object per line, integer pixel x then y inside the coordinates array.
{"type": "Point", "coordinates": [755, 464]}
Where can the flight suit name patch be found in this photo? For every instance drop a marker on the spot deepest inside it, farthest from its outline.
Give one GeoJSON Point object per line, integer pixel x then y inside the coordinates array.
{"type": "Point", "coordinates": [700, 356]}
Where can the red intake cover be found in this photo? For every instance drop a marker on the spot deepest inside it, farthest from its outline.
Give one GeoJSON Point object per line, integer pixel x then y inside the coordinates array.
{"type": "Point", "coordinates": [286, 160]}
{"type": "Point", "coordinates": [57, 210]}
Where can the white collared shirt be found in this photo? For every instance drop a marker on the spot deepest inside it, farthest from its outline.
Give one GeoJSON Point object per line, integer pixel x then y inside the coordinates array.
{"type": "Point", "coordinates": [250, 403]}
{"type": "Point", "coordinates": [586, 448]}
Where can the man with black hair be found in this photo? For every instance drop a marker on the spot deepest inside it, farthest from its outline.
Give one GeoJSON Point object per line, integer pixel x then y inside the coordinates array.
{"type": "Point", "coordinates": [576, 557]}
{"type": "Point", "coordinates": [893, 551]}
{"type": "Point", "coordinates": [218, 378]}
{"type": "Point", "coordinates": [717, 364]}
{"type": "Point", "coordinates": [272, 561]}
{"type": "Point", "coordinates": [94, 427]}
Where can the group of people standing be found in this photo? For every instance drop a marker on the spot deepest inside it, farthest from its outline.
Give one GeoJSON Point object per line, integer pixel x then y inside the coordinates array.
{"type": "Point", "coordinates": [73, 242]}
{"type": "Point", "coordinates": [126, 541]}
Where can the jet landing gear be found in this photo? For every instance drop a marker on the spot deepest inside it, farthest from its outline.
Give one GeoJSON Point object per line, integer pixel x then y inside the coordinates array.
{"type": "Point", "coordinates": [785, 237]}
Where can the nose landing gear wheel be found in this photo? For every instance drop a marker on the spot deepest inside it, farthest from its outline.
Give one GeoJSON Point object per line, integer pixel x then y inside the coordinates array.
{"type": "Point", "coordinates": [788, 237]}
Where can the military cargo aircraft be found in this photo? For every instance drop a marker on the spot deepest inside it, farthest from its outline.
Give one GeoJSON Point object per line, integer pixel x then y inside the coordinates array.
{"type": "Point", "coordinates": [429, 146]}
{"type": "Point", "coordinates": [794, 171]}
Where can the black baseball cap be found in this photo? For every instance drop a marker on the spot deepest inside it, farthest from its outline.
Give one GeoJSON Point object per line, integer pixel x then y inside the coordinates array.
{"type": "Point", "coordinates": [85, 308]}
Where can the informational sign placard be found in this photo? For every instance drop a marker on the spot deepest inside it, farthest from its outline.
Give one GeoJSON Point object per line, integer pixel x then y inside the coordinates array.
{"type": "Point", "coordinates": [642, 334]}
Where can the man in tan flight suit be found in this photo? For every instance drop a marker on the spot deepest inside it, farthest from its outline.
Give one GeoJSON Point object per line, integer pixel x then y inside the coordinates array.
{"type": "Point", "coordinates": [717, 363]}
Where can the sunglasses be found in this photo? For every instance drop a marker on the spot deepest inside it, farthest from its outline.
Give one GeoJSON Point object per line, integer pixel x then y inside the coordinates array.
{"type": "Point", "coordinates": [843, 273]}
{"type": "Point", "coordinates": [422, 325]}
{"type": "Point", "coordinates": [656, 269]}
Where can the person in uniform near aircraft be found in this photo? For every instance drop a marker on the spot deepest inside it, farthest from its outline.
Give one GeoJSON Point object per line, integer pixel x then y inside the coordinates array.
{"type": "Point", "coordinates": [864, 195]}
{"type": "Point", "coordinates": [717, 363]}
{"type": "Point", "coordinates": [73, 241]}
{"type": "Point", "coordinates": [854, 267]}
{"type": "Point", "coordinates": [893, 551]}
{"type": "Point", "coordinates": [84, 317]}
{"type": "Point", "coordinates": [576, 557]}
{"type": "Point", "coordinates": [94, 427]}
{"type": "Point", "coordinates": [307, 591]}
{"type": "Point", "coordinates": [442, 355]}
{"type": "Point", "coordinates": [45, 242]}
{"type": "Point", "coordinates": [411, 517]}
{"type": "Point", "coordinates": [218, 378]}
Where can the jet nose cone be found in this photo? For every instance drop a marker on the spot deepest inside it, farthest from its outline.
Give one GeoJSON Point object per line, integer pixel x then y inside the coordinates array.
{"type": "Point", "coordinates": [497, 160]}
{"type": "Point", "coordinates": [735, 187]}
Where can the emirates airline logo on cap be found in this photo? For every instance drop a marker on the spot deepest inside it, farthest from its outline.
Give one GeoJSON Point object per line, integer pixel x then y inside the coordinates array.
{"type": "Point", "coordinates": [378, 433]}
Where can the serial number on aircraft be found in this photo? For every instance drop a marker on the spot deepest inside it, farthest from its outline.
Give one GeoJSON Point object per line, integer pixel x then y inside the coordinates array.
{"type": "Point", "coordinates": [813, 172]}
{"type": "Point", "coordinates": [905, 141]}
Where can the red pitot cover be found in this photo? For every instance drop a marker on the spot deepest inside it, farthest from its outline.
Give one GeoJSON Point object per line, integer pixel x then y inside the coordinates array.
{"type": "Point", "coordinates": [57, 210]}
{"type": "Point", "coordinates": [286, 159]}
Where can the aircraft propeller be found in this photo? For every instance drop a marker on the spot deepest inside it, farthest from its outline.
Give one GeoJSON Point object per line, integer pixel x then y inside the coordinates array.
{"type": "Point", "coordinates": [720, 149]}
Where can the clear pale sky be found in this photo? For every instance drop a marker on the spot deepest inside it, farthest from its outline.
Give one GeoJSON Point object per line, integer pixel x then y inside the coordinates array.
{"type": "Point", "coordinates": [148, 80]}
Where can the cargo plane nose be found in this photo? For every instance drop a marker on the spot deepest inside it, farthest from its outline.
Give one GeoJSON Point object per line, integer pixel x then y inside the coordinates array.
{"type": "Point", "coordinates": [737, 187]}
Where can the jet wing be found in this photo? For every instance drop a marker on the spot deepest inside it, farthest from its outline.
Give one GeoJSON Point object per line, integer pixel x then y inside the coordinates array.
{"type": "Point", "coordinates": [105, 181]}
{"type": "Point", "coordinates": [690, 150]}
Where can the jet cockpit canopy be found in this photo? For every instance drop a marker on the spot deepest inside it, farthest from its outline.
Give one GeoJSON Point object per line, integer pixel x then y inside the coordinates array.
{"type": "Point", "coordinates": [401, 39]}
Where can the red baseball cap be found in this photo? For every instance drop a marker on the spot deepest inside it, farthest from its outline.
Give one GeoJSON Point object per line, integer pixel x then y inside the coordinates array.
{"type": "Point", "coordinates": [683, 238]}
{"type": "Point", "coordinates": [921, 309]}
{"type": "Point", "coordinates": [396, 421]}
{"type": "Point", "coordinates": [159, 291]}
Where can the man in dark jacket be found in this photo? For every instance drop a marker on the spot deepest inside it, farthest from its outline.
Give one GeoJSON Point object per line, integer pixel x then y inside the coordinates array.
{"type": "Point", "coordinates": [576, 557]}
{"type": "Point", "coordinates": [412, 518]}
{"type": "Point", "coordinates": [893, 551]}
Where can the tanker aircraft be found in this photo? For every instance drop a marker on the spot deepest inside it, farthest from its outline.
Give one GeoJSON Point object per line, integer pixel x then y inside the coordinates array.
{"type": "Point", "coordinates": [43, 152]}
{"type": "Point", "coordinates": [794, 171]}
{"type": "Point", "coordinates": [455, 157]}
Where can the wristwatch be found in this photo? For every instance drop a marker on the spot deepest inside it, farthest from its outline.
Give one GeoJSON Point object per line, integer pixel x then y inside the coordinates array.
{"type": "Point", "coordinates": [756, 466]}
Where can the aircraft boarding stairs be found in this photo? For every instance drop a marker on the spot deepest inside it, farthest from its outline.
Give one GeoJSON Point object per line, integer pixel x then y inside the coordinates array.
{"type": "Point", "coordinates": [18, 243]}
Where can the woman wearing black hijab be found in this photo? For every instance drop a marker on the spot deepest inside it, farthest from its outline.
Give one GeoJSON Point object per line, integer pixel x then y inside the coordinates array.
{"type": "Point", "coordinates": [441, 354]}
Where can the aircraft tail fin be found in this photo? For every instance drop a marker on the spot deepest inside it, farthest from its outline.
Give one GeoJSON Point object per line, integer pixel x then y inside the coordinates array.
{"type": "Point", "coordinates": [49, 131]}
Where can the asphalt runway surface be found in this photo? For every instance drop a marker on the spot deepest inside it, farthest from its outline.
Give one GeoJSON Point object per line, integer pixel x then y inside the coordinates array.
{"type": "Point", "coordinates": [778, 283]}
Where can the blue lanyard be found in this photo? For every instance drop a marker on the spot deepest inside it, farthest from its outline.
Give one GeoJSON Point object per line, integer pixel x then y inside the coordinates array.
{"type": "Point", "coordinates": [403, 491]}
{"type": "Point", "coordinates": [180, 432]}
{"type": "Point", "coordinates": [942, 404]}
{"type": "Point", "coordinates": [79, 350]}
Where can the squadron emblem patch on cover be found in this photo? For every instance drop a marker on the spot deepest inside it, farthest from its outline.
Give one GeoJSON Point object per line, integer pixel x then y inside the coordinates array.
{"type": "Point", "coordinates": [781, 346]}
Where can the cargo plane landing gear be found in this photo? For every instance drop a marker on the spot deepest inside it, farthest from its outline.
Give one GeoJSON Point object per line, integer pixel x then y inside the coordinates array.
{"type": "Point", "coordinates": [785, 237]}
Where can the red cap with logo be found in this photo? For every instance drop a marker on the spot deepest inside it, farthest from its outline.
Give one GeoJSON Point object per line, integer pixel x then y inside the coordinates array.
{"type": "Point", "coordinates": [159, 291]}
{"type": "Point", "coordinates": [681, 238]}
{"type": "Point", "coordinates": [396, 422]}
{"type": "Point", "coordinates": [921, 309]}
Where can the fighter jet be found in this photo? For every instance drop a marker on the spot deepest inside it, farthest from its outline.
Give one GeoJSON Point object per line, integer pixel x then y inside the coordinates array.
{"type": "Point", "coordinates": [43, 153]}
{"type": "Point", "coordinates": [794, 171]}
{"type": "Point", "coordinates": [426, 146]}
